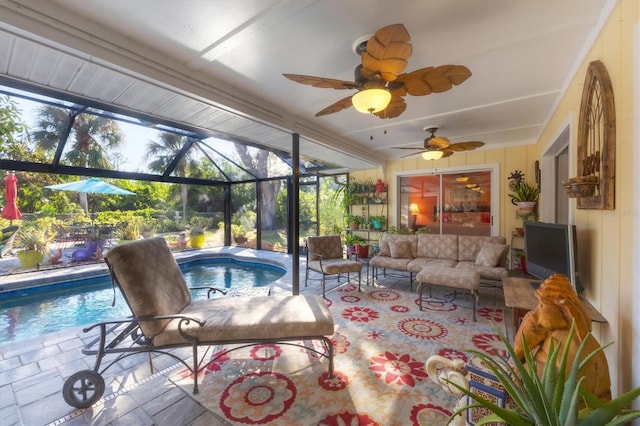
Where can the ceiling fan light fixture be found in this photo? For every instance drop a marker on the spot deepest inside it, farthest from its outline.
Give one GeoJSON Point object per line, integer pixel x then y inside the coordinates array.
{"type": "Point", "coordinates": [432, 155]}
{"type": "Point", "coordinates": [462, 178]}
{"type": "Point", "coordinates": [370, 101]}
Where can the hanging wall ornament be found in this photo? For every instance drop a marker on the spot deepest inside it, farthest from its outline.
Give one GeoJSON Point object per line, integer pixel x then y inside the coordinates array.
{"type": "Point", "coordinates": [594, 187]}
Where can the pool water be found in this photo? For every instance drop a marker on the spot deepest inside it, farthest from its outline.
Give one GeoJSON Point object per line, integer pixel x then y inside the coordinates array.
{"type": "Point", "coordinates": [34, 312]}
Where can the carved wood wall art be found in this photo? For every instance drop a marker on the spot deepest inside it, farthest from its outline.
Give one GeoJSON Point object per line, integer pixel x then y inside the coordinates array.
{"type": "Point", "coordinates": [594, 187]}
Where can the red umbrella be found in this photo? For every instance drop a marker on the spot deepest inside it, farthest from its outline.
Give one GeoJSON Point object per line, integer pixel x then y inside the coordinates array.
{"type": "Point", "coordinates": [10, 210]}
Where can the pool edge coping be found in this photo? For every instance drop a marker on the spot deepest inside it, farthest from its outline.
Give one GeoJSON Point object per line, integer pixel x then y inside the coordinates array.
{"type": "Point", "coordinates": [52, 276]}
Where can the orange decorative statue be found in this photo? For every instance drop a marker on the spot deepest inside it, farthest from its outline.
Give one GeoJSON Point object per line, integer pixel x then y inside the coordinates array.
{"type": "Point", "coordinates": [550, 322]}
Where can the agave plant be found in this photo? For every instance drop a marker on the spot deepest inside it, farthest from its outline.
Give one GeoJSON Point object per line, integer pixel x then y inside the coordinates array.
{"type": "Point", "coordinates": [33, 239]}
{"type": "Point", "coordinates": [548, 399]}
{"type": "Point", "coordinates": [524, 192]}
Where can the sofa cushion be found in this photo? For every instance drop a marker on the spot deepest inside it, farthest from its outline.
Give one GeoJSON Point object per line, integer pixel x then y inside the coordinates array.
{"type": "Point", "coordinates": [486, 273]}
{"type": "Point", "coordinates": [388, 262]}
{"type": "Point", "coordinates": [416, 265]}
{"type": "Point", "coordinates": [437, 246]}
{"type": "Point", "coordinates": [388, 239]}
{"type": "Point", "coordinates": [400, 249]}
{"type": "Point", "coordinates": [490, 254]}
{"type": "Point", "coordinates": [469, 246]}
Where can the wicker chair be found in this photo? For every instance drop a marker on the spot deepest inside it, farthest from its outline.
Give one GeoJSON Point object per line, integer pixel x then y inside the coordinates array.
{"type": "Point", "coordinates": [324, 255]}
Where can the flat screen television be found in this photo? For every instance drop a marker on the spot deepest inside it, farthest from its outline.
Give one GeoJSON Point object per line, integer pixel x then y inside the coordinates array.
{"type": "Point", "coordinates": [552, 248]}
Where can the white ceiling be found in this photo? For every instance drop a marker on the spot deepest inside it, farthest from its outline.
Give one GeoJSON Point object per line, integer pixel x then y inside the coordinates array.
{"type": "Point", "coordinates": [218, 64]}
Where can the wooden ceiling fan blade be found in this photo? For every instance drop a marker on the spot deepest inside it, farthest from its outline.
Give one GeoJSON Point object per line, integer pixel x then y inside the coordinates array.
{"type": "Point", "coordinates": [387, 52]}
{"type": "Point", "coordinates": [466, 146]}
{"type": "Point", "coordinates": [439, 142]}
{"type": "Point", "coordinates": [343, 103]}
{"type": "Point", "coordinates": [414, 153]}
{"type": "Point", "coordinates": [447, 153]}
{"type": "Point", "coordinates": [396, 107]}
{"type": "Point", "coordinates": [434, 79]}
{"type": "Point", "coordinates": [407, 147]}
{"type": "Point", "coordinates": [326, 83]}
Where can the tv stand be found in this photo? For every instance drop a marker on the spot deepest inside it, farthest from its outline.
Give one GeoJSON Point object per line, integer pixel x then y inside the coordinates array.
{"type": "Point", "coordinates": [520, 296]}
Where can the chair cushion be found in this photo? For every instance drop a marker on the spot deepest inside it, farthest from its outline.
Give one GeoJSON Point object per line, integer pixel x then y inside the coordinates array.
{"type": "Point", "coordinates": [490, 254]}
{"type": "Point", "coordinates": [150, 280]}
{"type": "Point", "coordinates": [328, 246]}
{"type": "Point", "coordinates": [335, 266]}
{"type": "Point", "coordinates": [243, 318]}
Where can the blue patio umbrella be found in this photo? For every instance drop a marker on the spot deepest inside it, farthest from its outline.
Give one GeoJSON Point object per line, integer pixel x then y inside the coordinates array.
{"type": "Point", "coordinates": [91, 186]}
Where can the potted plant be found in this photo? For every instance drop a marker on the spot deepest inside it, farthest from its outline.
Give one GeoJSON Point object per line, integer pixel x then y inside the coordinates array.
{"type": "Point", "coordinates": [524, 195]}
{"type": "Point", "coordinates": [522, 260]}
{"type": "Point", "coordinates": [354, 221]}
{"type": "Point", "coordinates": [546, 398]}
{"type": "Point", "coordinates": [377, 222]}
{"type": "Point", "coordinates": [35, 244]}
{"type": "Point", "coordinates": [196, 237]}
{"type": "Point", "coordinates": [362, 247]}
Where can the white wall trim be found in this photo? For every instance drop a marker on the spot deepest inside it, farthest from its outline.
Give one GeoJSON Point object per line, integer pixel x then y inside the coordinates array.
{"type": "Point", "coordinates": [635, 327]}
{"type": "Point", "coordinates": [557, 143]}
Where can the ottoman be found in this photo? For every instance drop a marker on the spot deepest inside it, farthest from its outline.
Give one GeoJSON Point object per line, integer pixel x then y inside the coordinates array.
{"type": "Point", "coordinates": [466, 280]}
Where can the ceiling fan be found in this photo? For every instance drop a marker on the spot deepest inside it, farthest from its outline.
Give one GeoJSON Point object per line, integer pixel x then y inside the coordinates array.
{"type": "Point", "coordinates": [436, 147]}
{"type": "Point", "coordinates": [379, 80]}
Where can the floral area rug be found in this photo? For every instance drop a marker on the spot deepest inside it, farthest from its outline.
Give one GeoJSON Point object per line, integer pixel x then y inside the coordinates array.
{"type": "Point", "coordinates": [381, 342]}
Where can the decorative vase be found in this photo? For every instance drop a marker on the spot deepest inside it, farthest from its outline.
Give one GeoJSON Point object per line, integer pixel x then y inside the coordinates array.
{"type": "Point", "coordinates": [377, 224]}
{"type": "Point", "coordinates": [526, 206]}
{"type": "Point", "coordinates": [196, 241]}
{"type": "Point", "coordinates": [30, 258]}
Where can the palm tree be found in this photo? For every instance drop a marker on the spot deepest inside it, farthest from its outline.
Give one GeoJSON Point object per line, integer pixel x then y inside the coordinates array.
{"type": "Point", "coordinates": [163, 152]}
{"type": "Point", "coordinates": [93, 138]}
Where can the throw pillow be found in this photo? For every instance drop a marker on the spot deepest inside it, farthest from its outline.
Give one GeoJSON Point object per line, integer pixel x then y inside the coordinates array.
{"type": "Point", "coordinates": [400, 249]}
{"type": "Point", "coordinates": [490, 254]}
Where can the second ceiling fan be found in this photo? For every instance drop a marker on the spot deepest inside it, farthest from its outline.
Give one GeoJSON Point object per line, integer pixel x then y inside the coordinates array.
{"type": "Point", "coordinates": [383, 58]}
{"type": "Point", "coordinates": [436, 147]}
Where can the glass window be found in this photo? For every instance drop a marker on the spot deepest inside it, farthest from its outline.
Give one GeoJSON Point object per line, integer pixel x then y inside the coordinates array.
{"type": "Point", "coordinates": [446, 203]}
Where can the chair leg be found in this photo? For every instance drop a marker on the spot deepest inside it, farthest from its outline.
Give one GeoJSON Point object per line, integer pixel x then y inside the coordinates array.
{"type": "Point", "coordinates": [410, 281]}
{"type": "Point", "coordinates": [306, 277]}
{"type": "Point", "coordinates": [359, 280]}
{"type": "Point", "coordinates": [476, 300]}
{"type": "Point", "coordinates": [323, 285]}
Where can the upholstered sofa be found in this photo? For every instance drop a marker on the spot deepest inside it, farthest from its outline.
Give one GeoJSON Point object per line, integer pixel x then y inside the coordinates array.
{"type": "Point", "coordinates": [411, 253]}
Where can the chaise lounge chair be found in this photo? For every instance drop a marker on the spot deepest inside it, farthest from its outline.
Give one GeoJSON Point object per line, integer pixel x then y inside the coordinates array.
{"type": "Point", "coordinates": [166, 317]}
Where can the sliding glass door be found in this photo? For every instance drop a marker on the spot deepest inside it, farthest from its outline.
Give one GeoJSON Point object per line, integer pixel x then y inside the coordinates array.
{"type": "Point", "coordinates": [452, 202]}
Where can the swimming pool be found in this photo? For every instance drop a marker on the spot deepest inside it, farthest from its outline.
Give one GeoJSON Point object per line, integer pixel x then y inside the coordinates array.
{"type": "Point", "coordinates": [30, 313]}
